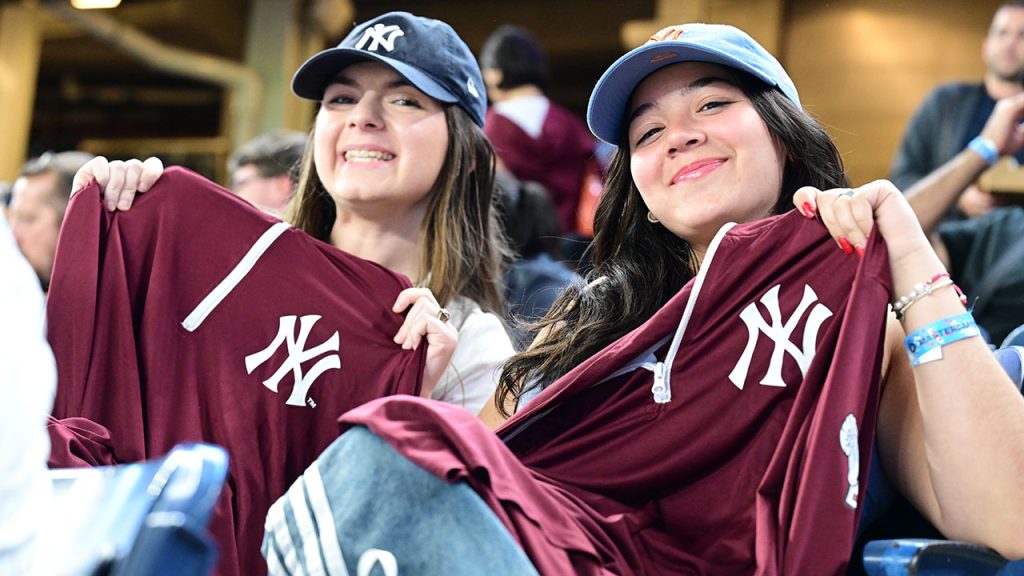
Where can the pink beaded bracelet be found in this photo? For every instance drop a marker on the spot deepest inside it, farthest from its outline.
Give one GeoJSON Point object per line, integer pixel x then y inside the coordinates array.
{"type": "Point", "coordinates": [922, 289]}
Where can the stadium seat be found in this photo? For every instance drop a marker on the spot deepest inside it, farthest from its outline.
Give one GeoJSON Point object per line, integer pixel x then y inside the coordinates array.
{"type": "Point", "coordinates": [147, 518]}
{"type": "Point", "coordinates": [1015, 337]}
{"type": "Point", "coordinates": [935, 557]}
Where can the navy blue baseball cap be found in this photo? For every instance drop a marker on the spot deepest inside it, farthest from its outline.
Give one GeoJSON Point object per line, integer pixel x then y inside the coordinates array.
{"type": "Point", "coordinates": [426, 52]}
{"type": "Point", "coordinates": [713, 43]}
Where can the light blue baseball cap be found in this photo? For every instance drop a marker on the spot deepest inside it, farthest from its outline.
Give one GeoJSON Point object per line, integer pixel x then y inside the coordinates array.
{"type": "Point", "coordinates": [713, 43]}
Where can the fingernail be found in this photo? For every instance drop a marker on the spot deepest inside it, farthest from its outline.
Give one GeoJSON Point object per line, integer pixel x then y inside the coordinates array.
{"type": "Point", "coordinates": [807, 210]}
{"type": "Point", "coordinates": [860, 250]}
{"type": "Point", "coordinates": [846, 246]}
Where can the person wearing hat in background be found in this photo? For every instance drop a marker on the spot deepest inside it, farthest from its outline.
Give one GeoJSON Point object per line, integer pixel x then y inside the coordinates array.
{"type": "Point", "coordinates": [656, 446]}
{"type": "Point", "coordinates": [398, 171]}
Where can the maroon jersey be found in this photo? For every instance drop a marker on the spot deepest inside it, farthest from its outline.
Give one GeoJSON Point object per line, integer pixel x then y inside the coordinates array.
{"type": "Point", "coordinates": [195, 317]}
{"type": "Point", "coordinates": [729, 434]}
{"type": "Point", "coordinates": [557, 158]}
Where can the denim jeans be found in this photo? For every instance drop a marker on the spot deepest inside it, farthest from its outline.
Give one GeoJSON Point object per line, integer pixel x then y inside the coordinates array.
{"type": "Point", "coordinates": [362, 508]}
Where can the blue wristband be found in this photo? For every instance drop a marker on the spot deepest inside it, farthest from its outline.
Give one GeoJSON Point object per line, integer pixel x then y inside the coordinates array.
{"type": "Point", "coordinates": [925, 345]}
{"type": "Point", "coordinates": [985, 148]}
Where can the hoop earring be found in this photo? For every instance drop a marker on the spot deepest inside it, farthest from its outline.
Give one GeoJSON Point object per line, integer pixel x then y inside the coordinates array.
{"type": "Point", "coordinates": [651, 218]}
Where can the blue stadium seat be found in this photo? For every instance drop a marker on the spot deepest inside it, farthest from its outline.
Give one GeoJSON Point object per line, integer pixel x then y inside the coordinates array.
{"type": "Point", "coordinates": [933, 557]}
{"type": "Point", "coordinates": [1015, 337]}
{"type": "Point", "coordinates": [147, 518]}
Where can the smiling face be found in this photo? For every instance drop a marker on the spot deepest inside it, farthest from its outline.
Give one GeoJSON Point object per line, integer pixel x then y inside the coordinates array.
{"type": "Point", "coordinates": [379, 142]}
{"type": "Point", "coordinates": [701, 156]}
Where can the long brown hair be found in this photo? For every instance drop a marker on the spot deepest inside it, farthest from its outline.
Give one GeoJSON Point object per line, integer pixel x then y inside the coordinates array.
{"type": "Point", "coordinates": [638, 266]}
{"type": "Point", "coordinates": [461, 245]}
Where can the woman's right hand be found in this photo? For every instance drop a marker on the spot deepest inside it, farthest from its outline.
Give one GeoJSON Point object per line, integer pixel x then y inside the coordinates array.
{"type": "Point", "coordinates": [119, 181]}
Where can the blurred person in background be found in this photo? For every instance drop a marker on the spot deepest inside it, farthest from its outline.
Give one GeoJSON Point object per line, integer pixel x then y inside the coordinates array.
{"type": "Point", "coordinates": [264, 170]}
{"type": "Point", "coordinates": [535, 138]}
{"type": "Point", "coordinates": [536, 277]}
{"type": "Point", "coordinates": [951, 118]}
{"type": "Point", "coordinates": [38, 200]}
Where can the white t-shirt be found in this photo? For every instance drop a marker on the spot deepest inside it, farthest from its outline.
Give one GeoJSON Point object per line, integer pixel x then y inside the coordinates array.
{"type": "Point", "coordinates": [28, 378]}
{"type": "Point", "coordinates": [472, 375]}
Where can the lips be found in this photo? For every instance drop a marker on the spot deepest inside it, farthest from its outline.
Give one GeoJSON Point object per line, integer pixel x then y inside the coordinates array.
{"type": "Point", "coordinates": [698, 169]}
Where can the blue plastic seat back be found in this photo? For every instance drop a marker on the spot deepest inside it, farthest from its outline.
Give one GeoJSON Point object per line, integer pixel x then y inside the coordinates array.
{"type": "Point", "coordinates": [1014, 338]}
{"type": "Point", "coordinates": [1011, 358]}
{"type": "Point", "coordinates": [143, 518]}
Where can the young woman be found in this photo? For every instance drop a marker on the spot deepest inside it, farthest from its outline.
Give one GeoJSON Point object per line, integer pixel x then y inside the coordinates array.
{"type": "Point", "coordinates": [655, 450]}
{"type": "Point", "coordinates": [399, 172]}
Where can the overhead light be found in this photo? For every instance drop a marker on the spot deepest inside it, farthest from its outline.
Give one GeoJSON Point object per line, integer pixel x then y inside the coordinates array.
{"type": "Point", "coordinates": [95, 4]}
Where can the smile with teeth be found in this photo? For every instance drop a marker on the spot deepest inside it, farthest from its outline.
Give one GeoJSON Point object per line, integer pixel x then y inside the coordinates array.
{"type": "Point", "coordinates": [367, 156]}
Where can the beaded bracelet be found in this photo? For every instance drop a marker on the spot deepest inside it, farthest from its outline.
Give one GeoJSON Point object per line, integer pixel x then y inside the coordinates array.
{"type": "Point", "coordinates": [985, 148]}
{"type": "Point", "coordinates": [922, 289]}
{"type": "Point", "coordinates": [925, 345]}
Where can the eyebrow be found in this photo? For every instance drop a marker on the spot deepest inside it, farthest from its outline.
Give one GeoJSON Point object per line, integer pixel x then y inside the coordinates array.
{"type": "Point", "coordinates": [698, 83]}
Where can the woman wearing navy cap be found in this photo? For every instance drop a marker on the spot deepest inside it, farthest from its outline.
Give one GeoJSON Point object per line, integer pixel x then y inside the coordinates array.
{"type": "Point", "coordinates": [709, 395]}
{"type": "Point", "coordinates": [400, 173]}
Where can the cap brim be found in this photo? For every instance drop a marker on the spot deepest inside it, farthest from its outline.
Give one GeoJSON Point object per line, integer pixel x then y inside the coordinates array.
{"type": "Point", "coordinates": [312, 78]}
{"type": "Point", "coordinates": [606, 110]}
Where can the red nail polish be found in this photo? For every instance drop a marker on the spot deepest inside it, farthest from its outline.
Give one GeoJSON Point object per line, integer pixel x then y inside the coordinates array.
{"type": "Point", "coordinates": [846, 246]}
{"type": "Point", "coordinates": [807, 210]}
{"type": "Point", "coordinates": [860, 251]}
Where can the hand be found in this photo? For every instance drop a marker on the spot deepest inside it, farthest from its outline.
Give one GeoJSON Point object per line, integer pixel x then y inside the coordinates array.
{"type": "Point", "coordinates": [1003, 126]}
{"type": "Point", "coordinates": [423, 319]}
{"type": "Point", "coordinates": [850, 214]}
{"type": "Point", "coordinates": [975, 202]}
{"type": "Point", "coordinates": [119, 181]}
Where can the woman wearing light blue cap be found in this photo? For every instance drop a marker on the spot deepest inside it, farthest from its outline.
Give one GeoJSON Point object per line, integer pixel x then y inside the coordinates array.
{"type": "Point", "coordinates": [708, 395]}
{"type": "Point", "coordinates": [710, 129]}
{"type": "Point", "coordinates": [398, 171]}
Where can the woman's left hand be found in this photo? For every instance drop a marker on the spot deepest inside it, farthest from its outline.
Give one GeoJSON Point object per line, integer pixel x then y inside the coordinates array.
{"type": "Point", "coordinates": [425, 318]}
{"type": "Point", "coordinates": [851, 214]}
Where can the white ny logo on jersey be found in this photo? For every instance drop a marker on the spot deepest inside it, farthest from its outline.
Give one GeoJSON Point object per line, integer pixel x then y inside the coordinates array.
{"type": "Point", "coordinates": [780, 332]}
{"type": "Point", "coordinates": [297, 354]}
{"type": "Point", "coordinates": [382, 36]}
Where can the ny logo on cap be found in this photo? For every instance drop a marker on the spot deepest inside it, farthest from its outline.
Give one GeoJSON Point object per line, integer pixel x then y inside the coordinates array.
{"type": "Point", "coordinates": [382, 36]}
{"type": "Point", "coordinates": [668, 33]}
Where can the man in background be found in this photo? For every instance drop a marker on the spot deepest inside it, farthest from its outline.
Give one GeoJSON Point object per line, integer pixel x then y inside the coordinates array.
{"type": "Point", "coordinates": [953, 115]}
{"type": "Point", "coordinates": [39, 198]}
{"type": "Point", "coordinates": [959, 133]}
{"type": "Point", "coordinates": [264, 170]}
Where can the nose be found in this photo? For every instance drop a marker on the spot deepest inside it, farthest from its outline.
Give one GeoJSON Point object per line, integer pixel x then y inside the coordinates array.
{"type": "Point", "coordinates": [683, 137]}
{"type": "Point", "coordinates": [366, 113]}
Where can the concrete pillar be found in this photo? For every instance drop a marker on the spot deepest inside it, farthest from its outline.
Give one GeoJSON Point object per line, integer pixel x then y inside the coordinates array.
{"type": "Point", "coordinates": [272, 50]}
{"type": "Point", "coordinates": [20, 44]}
{"type": "Point", "coordinates": [281, 34]}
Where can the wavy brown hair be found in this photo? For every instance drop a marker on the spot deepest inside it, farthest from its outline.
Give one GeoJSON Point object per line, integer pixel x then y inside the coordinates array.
{"type": "Point", "coordinates": [640, 265]}
{"type": "Point", "coordinates": [461, 245]}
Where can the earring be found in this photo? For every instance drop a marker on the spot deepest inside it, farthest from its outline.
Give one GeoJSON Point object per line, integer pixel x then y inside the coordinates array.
{"type": "Point", "coordinates": [651, 218]}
